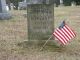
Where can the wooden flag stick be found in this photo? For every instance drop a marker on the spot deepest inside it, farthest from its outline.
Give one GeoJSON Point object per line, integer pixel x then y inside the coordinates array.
{"type": "Point", "coordinates": [46, 42]}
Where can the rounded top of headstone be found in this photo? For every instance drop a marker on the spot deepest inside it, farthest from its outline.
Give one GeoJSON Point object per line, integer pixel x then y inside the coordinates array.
{"type": "Point", "coordinates": [40, 2]}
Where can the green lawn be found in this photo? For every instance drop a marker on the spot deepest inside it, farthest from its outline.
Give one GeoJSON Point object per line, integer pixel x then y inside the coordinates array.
{"type": "Point", "coordinates": [13, 37]}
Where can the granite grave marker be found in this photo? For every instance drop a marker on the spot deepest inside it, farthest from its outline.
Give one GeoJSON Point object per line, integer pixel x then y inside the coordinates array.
{"type": "Point", "coordinates": [40, 21]}
{"type": "Point", "coordinates": [4, 13]}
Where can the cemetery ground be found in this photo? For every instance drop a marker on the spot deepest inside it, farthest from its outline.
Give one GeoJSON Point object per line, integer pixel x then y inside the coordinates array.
{"type": "Point", "coordinates": [13, 38]}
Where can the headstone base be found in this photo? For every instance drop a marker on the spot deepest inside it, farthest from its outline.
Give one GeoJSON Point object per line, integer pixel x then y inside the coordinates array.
{"type": "Point", "coordinates": [4, 16]}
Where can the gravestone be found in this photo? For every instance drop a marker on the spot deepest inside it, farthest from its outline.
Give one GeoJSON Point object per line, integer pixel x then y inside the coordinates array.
{"type": "Point", "coordinates": [61, 2]}
{"type": "Point", "coordinates": [40, 21]}
{"type": "Point", "coordinates": [7, 7]}
{"type": "Point", "coordinates": [73, 3]}
{"type": "Point", "coordinates": [4, 14]}
{"type": "Point", "coordinates": [11, 6]}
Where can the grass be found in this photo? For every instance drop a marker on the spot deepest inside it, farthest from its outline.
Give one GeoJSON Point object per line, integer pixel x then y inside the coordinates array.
{"type": "Point", "coordinates": [11, 32]}
{"type": "Point", "coordinates": [13, 38]}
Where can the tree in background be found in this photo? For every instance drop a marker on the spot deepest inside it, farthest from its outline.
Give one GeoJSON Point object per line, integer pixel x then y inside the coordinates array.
{"type": "Point", "coordinates": [77, 2]}
{"type": "Point", "coordinates": [68, 2]}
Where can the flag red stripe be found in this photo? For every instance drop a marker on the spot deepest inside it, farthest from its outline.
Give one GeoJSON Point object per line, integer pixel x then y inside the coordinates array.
{"type": "Point", "coordinates": [58, 38]}
{"type": "Point", "coordinates": [61, 32]}
{"type": "Point", "coordinates": [69, 31]}
{"type": "Point", "coordinates": [74, 33]}
{"type": "Point", "coordinates": [62, 35]}
{"type": "Point", "coordinates": [66, 33]}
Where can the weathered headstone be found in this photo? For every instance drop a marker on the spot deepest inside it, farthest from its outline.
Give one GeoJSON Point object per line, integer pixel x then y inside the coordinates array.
{"type": "Point", "coordinates": [73, 3]}
{"type": "Point", "coordinates": [4, 14]}
{"type": "Point", "coordinates": [12, 6]}
{"type": "Point", "coordinates": [40, 21]}
{"type": "Point", "coordinates": [7, 8]}
{"type": "Point", "coordinates": [61, 2]}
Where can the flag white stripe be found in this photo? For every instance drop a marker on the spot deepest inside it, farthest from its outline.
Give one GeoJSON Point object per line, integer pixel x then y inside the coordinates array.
{"type": "Point", "coordinates": [68, 32]}
{"type": "Point", "coordinates": [61, 36]}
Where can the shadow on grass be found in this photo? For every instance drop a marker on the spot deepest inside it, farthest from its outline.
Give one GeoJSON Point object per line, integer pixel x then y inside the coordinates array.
{"type": "Point", "coordinates": [37, 46]}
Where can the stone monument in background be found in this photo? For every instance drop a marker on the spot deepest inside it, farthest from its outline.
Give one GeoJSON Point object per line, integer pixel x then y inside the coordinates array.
{"type": "Point", "coordinates": [61, 2]}
{"type": "Point", "coordinates": [73, 3]}
{"type": "Point", "coordinates": [40, 21]}
{"type": "Point", "coordinates": [4, 13]}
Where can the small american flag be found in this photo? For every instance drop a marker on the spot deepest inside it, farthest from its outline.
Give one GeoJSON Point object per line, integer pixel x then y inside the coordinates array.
{"type": "Point", "coordinates": [64, 33]}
